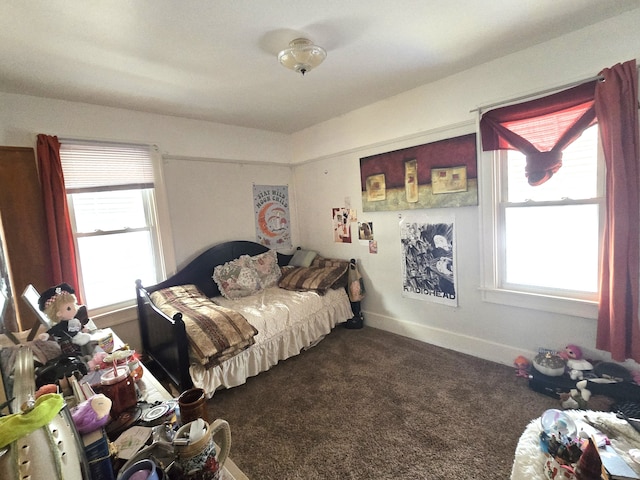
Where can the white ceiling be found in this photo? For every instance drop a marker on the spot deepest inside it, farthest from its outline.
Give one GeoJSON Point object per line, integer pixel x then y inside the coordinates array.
{"type": "Point", "coordinates": [216, 60]}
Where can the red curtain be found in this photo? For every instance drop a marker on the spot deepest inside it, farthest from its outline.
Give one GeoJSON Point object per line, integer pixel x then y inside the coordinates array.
{"type": "Point", "coordinates": [62, 249]}
{"type": "Point", "coordinates": [616, 103]}
{"type": "Point", "coordinates": [540, 128]}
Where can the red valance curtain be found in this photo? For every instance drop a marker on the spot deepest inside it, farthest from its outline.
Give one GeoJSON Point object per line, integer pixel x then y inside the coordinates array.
{"type": "Point", "coordinates": [562, 117]}
{"type": "Point", "coordinates": [540, 128]}
{"type": "Point", "coordinates": [616, 103]}
{"type": "Point", "coordinates": [62, 249]}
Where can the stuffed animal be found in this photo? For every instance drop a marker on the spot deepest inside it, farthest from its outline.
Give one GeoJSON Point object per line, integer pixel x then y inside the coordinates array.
{"type": "Point", "coordinates": [576, 365]}
{"type": "Point", "coordinates": [92, 413]}
{"type": "Point", "coordinates": [97, 362]}
{"type": "Point", "coordinates": [573, 400]}
{"type": "Point", "coordinates": [522, 366]}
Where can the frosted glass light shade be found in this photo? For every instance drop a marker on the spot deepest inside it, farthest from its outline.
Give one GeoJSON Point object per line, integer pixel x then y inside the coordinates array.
{"type": "Point", "coordinates": [302, 55]}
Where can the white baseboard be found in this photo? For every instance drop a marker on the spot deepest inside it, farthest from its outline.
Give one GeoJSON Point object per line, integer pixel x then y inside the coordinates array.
{"type": "Point", "coordinates": [476, 347]}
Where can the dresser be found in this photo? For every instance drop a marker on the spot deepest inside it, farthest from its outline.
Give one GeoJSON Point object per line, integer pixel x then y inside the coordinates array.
{"type": "Point", "coordinates": [151, 391]}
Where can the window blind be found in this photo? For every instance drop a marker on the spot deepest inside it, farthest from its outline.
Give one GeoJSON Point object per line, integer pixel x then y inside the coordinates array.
{"type": "Point", "coordinates": [92, 166]}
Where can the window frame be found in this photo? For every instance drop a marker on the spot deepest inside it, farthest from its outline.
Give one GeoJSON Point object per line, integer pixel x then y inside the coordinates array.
{"type": "Point", "coordinates": [492, 190]}
{"type": "Point", "coordinates": [158, 220]}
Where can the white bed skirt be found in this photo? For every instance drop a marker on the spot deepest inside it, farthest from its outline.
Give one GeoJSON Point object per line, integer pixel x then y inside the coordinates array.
{"type": "Point", "coordinates": [302, 327]}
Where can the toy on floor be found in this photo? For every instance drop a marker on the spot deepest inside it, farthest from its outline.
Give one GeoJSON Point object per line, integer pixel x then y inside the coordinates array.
{"type": "Point", "coordinates": [549, 363]}
{"type": "Point", "coordinates": [573, 400]}
{"type": "Point", "coordinates": [522, 366]}
{"type": "Point", "coordinates": [576, 365]}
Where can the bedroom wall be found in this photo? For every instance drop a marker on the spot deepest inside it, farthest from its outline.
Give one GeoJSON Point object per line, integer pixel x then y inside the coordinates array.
{"type": "Point", "coordinates": [209, 195]}
{"type": "Point", "coordinates": [208, 170]}
{"type": "Point", "coordinates": [328, 155]}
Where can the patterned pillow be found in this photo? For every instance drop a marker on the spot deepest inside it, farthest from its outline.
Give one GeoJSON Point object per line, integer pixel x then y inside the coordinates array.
{"type": "Point", "coordinates": [318, 279]}
{"type": "Point", "coordinates": [266, 267]}
{"type": "Point", "coordinates": [237, 278]}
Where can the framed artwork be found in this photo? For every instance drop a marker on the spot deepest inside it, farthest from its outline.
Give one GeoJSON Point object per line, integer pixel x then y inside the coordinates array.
{"type": "Point", "coordinates": [432, 175]}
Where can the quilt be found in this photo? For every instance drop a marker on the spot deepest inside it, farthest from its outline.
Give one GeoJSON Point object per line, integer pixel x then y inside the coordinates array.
{"type": "Point", "coordinates": [215, 333]}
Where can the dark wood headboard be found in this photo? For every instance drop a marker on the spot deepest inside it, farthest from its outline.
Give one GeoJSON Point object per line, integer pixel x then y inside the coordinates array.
{"type": "Point", "coordinates": [164, 339]}
{"type": "Point", "coordinates": [199, 271]}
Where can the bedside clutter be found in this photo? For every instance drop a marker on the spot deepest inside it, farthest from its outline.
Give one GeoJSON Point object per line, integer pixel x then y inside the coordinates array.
{"type": "Point", "coordinates": [128, 416]}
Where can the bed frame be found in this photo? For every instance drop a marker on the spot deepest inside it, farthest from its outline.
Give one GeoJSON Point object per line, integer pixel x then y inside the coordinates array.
{"type": "Point", "coordinates": [164, 339]}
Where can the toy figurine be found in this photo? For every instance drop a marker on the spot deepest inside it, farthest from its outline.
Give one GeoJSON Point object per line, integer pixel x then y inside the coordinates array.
{"type": "Point", "coordinates": [60, 305]}
{"type": "Point", "coordinates": [522, 366]}
{"type": "Point", "coordinates": [91, 414]}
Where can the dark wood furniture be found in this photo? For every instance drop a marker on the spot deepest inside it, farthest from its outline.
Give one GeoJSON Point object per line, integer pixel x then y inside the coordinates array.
{"type": "Point", "coordinates": [164, 339]}
{"type": "Point", "coordinates": [22, 214]}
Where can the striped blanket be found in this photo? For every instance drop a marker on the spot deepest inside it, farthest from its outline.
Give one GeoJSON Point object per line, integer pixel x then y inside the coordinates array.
{"type": "Point", "coordinates": [215, 333]}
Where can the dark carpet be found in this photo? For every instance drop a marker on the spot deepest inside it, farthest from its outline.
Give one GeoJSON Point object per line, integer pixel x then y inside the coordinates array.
{"type": "Point", "coordinates": [368, 404]}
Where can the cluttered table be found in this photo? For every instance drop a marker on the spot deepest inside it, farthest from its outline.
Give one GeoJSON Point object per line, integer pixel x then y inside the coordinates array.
{"type": "Point", "coordinates": [144, 428]}
{"type": "Point", "coordinates": [618, 441]}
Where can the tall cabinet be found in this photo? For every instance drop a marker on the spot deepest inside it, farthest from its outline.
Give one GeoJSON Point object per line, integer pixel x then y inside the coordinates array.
{"type": "Point", "coordinates": [22, 218]}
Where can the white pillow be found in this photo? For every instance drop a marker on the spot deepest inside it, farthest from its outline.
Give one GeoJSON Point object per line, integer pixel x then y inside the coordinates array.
{"type": "Point", "coordinates": [302, 258]}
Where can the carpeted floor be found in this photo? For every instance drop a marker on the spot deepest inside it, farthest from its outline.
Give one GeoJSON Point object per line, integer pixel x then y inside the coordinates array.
{"type": "Point", "coordinates": [367, 404]}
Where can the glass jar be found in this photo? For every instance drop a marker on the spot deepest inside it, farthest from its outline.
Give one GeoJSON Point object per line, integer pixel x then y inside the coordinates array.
{"type": "Point", "coordinates": [120, 388]}
{"type": "Point", "coordinates": [135, 367]}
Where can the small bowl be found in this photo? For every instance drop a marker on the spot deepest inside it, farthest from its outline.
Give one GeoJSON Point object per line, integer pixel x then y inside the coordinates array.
{"type": "Point", "coordinates": [134, 472]}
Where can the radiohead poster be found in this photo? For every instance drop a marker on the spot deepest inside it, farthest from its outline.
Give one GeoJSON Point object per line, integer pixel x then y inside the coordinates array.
{"type": "Point", "coordinates": [428, 259]}
{"type": "Point", "coordinates": [271, 208]}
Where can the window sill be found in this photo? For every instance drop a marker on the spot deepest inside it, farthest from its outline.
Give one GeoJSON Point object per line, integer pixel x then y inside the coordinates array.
{"type": "Point", "coordinates": [546, 303]}
{"type": "Point", "coordinates": [115, 317]}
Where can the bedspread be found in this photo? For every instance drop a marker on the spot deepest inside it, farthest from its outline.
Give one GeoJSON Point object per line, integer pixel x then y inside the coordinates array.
{"type": "Point", "coordinates": [215, 333]}
{"type": "Point", "coordinates": [287, 322]}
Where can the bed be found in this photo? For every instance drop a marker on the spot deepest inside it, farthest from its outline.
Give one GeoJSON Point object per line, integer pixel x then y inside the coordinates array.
{"type": "Point", "coordinates": [304, 316]}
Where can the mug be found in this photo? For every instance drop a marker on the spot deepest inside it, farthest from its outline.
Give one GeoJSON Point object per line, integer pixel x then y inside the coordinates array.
{"type": "Point", "coordinates": [555, 470]}
{"type": "Point", "coordinates": [199, 459]}
{"type": "Point", "coordinates": [151, 472]}
{"type": "Point", "coordinates": [193, 405]}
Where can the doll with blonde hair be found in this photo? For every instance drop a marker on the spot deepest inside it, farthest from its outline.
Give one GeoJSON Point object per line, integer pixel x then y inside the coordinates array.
{"type": "Point", "coordinates": [60, 305]}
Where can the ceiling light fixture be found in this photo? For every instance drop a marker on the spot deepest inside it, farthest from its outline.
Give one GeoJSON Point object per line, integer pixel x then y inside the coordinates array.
{"type": "Point", "coordinates": [302, 55]}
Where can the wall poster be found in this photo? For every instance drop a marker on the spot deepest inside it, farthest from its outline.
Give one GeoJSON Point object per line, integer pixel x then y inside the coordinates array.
{"type": "Point", "coordinates": [428, 259]}
{"type": "Point", "coordinates": [271, 209]}
{"type": "Point", "coordinates": [433, 175]}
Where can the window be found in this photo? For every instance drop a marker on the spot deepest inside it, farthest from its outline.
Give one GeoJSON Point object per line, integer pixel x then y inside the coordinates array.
{"type": "Point", "coordinates": [112, 202]}
{"type": "Point", "coordinates": [542, 243]}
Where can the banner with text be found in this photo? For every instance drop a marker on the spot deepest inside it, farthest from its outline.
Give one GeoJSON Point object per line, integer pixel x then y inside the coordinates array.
{"type": "Point", "coordinates": [271, 208]}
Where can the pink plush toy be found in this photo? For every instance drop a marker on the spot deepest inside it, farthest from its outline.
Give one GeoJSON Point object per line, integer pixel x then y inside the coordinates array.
{"type": "Point", "coordinates": [97, 362]}
{"type": "Point", "coordinates": [576, 365]}
{"type": "Point", "coordinates": [573, 352]}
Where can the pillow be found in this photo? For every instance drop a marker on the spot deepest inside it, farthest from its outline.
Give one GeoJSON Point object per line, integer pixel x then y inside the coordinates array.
{"type": "Point", "coordinates": [322, 262]}
{"type": "Point", "coordinates": [266, 267]}
{"type": "Point", "coordinates": [302, 258]}
{"type": "Point", "coordinates": [318, 279]}
{"type": "Point", "coordinates": [237, 278]}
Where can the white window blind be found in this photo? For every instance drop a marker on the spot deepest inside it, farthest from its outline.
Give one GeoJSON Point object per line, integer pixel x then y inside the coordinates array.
{"type": "Point", "coordinates": [96, 166]}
